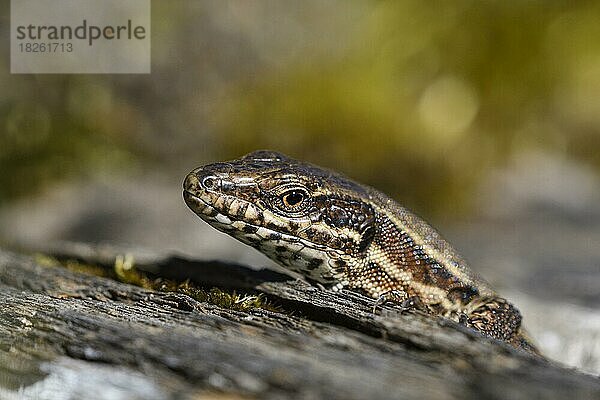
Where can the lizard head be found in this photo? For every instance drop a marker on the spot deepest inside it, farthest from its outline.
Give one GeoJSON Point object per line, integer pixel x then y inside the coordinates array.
{"type": "Point", "coordinates": [308, 219]}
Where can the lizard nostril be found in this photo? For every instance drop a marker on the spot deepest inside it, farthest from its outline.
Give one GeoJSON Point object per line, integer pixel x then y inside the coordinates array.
{"type": "Point", "coordinates": [209, 182]}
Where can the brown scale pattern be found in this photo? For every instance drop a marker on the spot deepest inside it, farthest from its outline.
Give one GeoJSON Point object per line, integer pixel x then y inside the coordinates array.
{"type": "Point", "coordinates": [405, 254]}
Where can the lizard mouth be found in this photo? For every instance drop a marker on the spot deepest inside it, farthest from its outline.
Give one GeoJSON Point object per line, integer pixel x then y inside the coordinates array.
{"type": "Point", "coordinates": [291, 251]}
{"type": "Point", "coordinates": [204, 210]}
{"type": "Point", "coordinates": [228, 224]}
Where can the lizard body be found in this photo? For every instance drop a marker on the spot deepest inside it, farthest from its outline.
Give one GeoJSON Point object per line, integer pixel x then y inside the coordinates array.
{"type": "Point", "coordinates": [342, 234]}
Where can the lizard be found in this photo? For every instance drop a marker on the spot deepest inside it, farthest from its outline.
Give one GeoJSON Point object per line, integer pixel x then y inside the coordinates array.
{"type": "Point", "coordinates": [340, 234]}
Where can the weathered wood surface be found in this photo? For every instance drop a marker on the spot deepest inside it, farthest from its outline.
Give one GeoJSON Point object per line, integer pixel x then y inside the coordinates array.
{"type": "Point", "coordinates": [69, 336]}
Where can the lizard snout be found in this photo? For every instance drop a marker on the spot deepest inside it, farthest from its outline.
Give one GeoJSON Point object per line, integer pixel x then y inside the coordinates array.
{"type": "Point", "coordinates": [200, 180]}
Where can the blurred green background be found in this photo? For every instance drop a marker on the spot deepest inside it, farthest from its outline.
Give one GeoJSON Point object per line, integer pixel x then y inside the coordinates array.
{"type": "Point", "coordinates": [420, 99]}
{"type": "Point", "coordinates": [482, 116]}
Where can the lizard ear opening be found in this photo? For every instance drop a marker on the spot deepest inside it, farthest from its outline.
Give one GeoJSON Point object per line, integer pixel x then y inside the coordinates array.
{"type": "Point", "coordinates": [367, 228]}
{"type": "Point", "coordinates": [367, 237]}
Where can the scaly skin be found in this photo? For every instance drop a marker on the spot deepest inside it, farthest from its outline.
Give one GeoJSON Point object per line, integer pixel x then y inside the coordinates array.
{"type": "Point", "coordinates": [341, 234]}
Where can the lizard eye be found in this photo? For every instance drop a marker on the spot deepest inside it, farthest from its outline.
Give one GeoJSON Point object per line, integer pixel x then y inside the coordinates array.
{"type": "Point", "coordinates": [292, 198]}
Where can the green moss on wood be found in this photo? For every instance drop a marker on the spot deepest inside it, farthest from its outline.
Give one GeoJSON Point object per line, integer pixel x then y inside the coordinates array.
{"type": "Point", "coordinates": [124, 271]}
